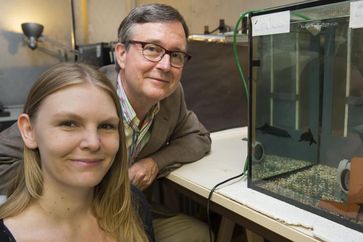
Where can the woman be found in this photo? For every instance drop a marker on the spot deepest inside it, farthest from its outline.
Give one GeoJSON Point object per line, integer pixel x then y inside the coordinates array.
{"type": "Point", "coordinates": [73, 184]}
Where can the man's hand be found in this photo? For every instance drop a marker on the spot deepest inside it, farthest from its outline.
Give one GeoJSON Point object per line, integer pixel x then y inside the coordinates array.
{"type": "Point", "coordinates": [143, 172]}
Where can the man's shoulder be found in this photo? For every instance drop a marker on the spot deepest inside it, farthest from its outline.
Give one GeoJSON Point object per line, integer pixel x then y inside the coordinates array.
{"type": "Point", "coordinates": [176, 96]}
{"type": "Point", "coordinates": [110, 72]}
{"type": "Point", "coordinates": [172, 105]}
{"type": "Point", "coordinates": [10, 133]}
{"type": "Point", "coordinates": [11, 143]}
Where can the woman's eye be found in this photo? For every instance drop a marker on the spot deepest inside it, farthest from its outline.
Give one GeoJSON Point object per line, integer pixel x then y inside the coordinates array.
{"type": "Point", "coordinates": [108, 126]}
{"type": "Point", "coordinates": [69, 124]}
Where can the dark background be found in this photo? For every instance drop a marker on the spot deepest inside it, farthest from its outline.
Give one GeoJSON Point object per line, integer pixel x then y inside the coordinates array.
{"type": "Point", "coordinates": [213, 87]}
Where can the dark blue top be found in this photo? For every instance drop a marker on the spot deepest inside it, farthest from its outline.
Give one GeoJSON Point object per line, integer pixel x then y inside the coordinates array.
{"type": "Point", "coordinates": [143, 209]}
{"type": "Point", "coordinates": [5, 235]}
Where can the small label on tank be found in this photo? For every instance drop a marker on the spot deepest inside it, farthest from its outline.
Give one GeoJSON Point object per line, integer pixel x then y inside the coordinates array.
{"type": "Point", "coordinates": [356, 15]}
{"type": "Point", "coordinates": [273, 23]}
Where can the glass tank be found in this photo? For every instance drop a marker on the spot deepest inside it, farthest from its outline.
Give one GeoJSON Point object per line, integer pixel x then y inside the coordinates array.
{"type": "Point", "coordinates": [306, 107]}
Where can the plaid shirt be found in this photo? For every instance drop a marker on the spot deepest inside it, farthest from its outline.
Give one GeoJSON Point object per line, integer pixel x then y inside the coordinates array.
{"type": "Point", "coordinates": [137, 135]}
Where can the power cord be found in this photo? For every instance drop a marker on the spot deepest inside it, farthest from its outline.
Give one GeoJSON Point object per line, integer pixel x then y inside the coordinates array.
{"type": "Point", "coordinates": [246, 91]}
{"type": "Point", "coordinates": [210, 197]}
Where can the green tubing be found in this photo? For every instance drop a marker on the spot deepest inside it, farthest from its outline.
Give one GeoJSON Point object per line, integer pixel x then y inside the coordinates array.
{"type": "Point", "coordinates": [235, 53]}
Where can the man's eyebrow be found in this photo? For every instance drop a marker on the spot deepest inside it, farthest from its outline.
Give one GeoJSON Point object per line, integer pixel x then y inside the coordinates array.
{"type": "Point", "coordinates": [158, 42]}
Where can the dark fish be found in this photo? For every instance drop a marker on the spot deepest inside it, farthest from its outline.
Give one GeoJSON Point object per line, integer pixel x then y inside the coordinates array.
{"type": "Point", "coordinates": [359, 130]}
{"type": "Point", "coordinates": [308, 137]}
{"type": "Point", "coordinates": [268, 129]}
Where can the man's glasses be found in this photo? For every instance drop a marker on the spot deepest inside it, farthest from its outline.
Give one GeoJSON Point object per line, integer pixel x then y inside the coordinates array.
{"type": "Point", "coordinates": [155, 53]}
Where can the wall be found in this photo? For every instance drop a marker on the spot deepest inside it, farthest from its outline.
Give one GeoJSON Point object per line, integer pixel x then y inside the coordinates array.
{"type": "Point", "coordinates": [96, 21]}
{"type": "Point", "coordinates": [200, 13]}
{"type": "Point", "coordinates": [105, 16]}
{"type": "Point", "coordinates": [19, 65]}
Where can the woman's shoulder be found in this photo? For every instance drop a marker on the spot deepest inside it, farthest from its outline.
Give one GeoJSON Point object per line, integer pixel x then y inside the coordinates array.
{"type": "Point", "coordinates": [5, 234]}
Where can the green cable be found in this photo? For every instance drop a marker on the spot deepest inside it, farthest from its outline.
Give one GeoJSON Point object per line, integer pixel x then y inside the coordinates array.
{"type": "Point", "coordinates": [301, 16]}
{"type": "Point", "coordinates": [235, 53]}
{"type": "Point", "coordinates": [235, 31]}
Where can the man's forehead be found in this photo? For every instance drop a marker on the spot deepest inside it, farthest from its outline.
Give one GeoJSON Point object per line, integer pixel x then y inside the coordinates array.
{"type": "Point", "coordinates": [160, 33]}
{"type": "Point", "coordinates": [140, 28]}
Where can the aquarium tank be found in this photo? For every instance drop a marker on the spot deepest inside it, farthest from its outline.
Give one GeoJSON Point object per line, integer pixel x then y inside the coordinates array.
{"type": "Point", "coordinates": [306, 107]}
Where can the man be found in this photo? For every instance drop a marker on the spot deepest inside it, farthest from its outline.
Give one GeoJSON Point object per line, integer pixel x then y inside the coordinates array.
{"type": "Point", "coordinates": [161, 133]}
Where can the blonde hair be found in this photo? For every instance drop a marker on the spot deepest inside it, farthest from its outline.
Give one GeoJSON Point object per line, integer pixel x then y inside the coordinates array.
{"type": "Point", "coordinates": [112, 201]}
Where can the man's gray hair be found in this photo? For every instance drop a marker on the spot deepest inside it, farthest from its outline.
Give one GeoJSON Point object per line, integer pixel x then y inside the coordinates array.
{"type": "Point", "coordinates": [149, 13]}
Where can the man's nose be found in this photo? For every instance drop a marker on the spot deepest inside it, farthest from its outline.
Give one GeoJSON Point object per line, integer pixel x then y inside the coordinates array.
{"type": "Point", "coordinates": [164, 63]}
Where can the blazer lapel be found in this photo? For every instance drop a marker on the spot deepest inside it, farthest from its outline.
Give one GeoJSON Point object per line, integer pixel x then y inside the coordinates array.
{"type": "Point", "coordinates": [159, 132]}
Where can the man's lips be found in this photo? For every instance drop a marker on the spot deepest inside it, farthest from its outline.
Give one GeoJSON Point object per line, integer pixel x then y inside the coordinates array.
{"type": "Point", "coordinates": [158, 79]}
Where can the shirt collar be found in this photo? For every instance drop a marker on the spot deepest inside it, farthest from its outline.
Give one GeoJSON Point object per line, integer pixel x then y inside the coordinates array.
{"type": "Point", "coordinates": [128, 113]}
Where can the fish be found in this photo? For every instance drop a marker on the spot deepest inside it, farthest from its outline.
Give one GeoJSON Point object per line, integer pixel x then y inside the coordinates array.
{"type": "Point", "coordinates": [308, 137]}
{"type": "Point", "coordinates": [359, 130]}
{"type": "Point", "coordinates": [268, 129]}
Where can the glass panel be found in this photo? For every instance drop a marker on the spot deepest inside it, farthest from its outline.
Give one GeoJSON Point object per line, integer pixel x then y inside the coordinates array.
{"type": "Point", "coordinates": [307, 113]}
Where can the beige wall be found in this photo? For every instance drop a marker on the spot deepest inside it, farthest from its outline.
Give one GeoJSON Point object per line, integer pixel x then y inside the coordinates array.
{"type": "Point", "coordinates": [98, 21]}
{"type": "Point", "coordinates": [103, 26]}
{"type": "Point", "coordinates": [200, 13]}
{"type": "Point", "coordinates": [105, 16]}
{"type": "Point", "coordinates": [19, 65]}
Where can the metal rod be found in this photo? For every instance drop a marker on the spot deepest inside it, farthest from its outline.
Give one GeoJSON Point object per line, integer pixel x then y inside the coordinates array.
{"type": "Point", "coordinates": [73, 33]}
{"type": "Point", "coordinates": [347, 80]}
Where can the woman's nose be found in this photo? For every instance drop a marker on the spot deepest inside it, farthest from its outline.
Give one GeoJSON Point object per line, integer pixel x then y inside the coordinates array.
{"type": "Point", "coordinates": [91, 140]}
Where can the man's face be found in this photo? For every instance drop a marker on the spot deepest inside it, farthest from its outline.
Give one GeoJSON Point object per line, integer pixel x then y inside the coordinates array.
{"type": "Point", "coordinates": [146, 82]}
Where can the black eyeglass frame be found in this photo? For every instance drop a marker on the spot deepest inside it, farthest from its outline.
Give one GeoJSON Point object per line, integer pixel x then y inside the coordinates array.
{"type": "Point", "coordinates": [187, 57]}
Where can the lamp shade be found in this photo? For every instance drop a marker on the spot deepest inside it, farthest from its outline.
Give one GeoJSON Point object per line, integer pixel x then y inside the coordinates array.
{"type": "Point", "coordinates": [32, 31]}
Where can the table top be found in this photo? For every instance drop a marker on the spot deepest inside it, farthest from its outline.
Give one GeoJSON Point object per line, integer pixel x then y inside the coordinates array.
{"type": "Point", "coordinates": [226, 160]}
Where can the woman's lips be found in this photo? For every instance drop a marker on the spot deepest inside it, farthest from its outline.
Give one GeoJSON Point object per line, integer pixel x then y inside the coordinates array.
{"type": "Point", "coordinates": [87, 162]}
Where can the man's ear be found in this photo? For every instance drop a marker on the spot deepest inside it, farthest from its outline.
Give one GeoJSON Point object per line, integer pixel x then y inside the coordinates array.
{"type": "Point", "coordinates": [121, 51]}
{"type": "Point", "coordinates": [27, 131]}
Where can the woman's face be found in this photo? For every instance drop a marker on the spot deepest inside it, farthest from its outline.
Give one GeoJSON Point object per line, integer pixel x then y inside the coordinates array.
{"type": "Point", "coordinates": [76, 132]}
